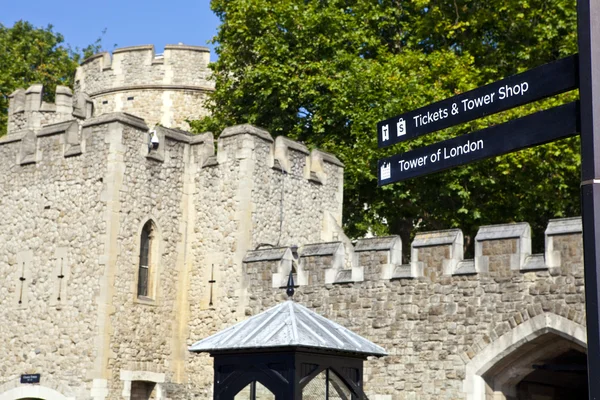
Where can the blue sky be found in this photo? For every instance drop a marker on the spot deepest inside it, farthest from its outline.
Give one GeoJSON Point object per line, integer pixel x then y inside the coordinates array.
{"type": "Point", "coordinates": [127, 23]}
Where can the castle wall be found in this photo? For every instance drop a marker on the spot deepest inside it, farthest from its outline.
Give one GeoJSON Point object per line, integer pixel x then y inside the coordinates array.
{"type": "Point", "coordinates": [208, 209]}
{"type": "Point", "coordinates": [52, 225]}
{"type": "Point", "coordinates": [237, 208]}
{"type": "Point", "coordinates": [76, 194]}
{"type": "Point", "coordinates": [436, 321]}
{"type": "Point", "coordinates": [142, 329]}
{"type": "Point", "coordinates": [169, 108]}
{"type": "Point", "coordinates": [27, 110]}
{"type": "Point", "coordinates": [165, 89]}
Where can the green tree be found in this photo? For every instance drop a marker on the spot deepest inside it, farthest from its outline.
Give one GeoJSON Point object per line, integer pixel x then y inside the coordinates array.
{"type": "Point", "coordinates": [31, 55]}
{"type": "Point", "coordinates": [325, 71]}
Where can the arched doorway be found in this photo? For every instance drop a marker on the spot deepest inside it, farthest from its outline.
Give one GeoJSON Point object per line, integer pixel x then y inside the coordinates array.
{"type": "Point", "coordinates": [549, 367]}
{"type": "Point", "coordinates": [543, 358]}
{"type": "Point", "coordinates": [33, 392]}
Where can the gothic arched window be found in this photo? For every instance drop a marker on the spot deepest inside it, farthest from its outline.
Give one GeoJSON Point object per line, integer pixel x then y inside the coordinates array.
{"type": "Point", "coordinates": [147, 262]}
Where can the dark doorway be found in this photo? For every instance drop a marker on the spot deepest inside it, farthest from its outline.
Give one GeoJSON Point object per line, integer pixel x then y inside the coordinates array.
{"type": "Point", "coordinates": [549, 367]}
{"type": "Point", "coordinates": [560, 378]}
{"type": "Point", "coordinates": [143, 390]}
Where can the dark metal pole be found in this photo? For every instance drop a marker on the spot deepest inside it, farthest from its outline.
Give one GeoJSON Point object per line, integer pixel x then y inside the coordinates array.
{"type": "Point", "coordinates": [588, 15]}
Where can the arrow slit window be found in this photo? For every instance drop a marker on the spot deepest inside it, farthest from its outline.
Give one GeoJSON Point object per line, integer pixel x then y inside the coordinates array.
{"type": "Point", "coordinates": [147, 262]}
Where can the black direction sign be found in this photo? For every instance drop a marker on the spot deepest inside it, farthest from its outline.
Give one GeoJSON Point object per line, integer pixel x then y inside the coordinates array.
{"type": "Point", "coordinates": [538, 83]}
{"type": "Point", "coordinates": [532, 130]}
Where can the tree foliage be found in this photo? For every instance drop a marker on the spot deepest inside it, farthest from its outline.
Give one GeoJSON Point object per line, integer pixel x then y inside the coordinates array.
{"type": "Point", "coordinates": [325, 71]}
{"type": "Point", "coordinates": [31, 55]}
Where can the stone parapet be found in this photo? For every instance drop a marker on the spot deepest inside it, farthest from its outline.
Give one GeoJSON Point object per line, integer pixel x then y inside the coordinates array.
{"type": "Point", "coordinates": [435, 255]}
{"type": "Point", "coordinates": [27, 110]}
{"type": "Point", "coordinates": [440, 324]}
{"type": "Point", "coordinates": [179, 65]}
{"type": "Point", "coordinates": [514, 239]}
{"type": "Point", "coordinates": [558, 228]}
{"type": "Point", "coordinates": [282, 155]}
{"type": "Point", "coordinates": [429, 248]}
{"type": "Point", "coordinates": [169, 89]}
{"type": "Point", "coordinates": [378, 256]}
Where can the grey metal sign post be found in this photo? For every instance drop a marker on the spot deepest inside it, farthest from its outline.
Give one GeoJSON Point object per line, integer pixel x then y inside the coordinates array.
{"type": "Point", "coordinates": [579, 71]}
{"type": "Point", "coordinates": [588, 18]}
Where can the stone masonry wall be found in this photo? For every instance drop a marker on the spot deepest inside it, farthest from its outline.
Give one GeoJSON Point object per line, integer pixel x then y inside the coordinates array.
{"type": "Point", "coordinates": [237, 208]}
{"type": "Point", "coordinates": [165, 89]}
{"type": "Point", "coordinates": [139, 65]}
{"type": "Point", "coordinates": [432, 322]}
{"type": "Point", "coordinates": [76, 194]}
{"type": "Point", "coordinates": [52, 224]}
{"type": "Point", "coordinates": [81, 190]}
{"type": "Point", "coordinates": [142, 330]}
{"type": "Point", "coordinates": [169, 108]}
{"type": "Point", "coordinates": [27, 110]}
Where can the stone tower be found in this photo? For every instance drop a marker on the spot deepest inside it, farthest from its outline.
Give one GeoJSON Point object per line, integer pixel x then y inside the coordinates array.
{"type": "Point", "coordinates": [166, 89]}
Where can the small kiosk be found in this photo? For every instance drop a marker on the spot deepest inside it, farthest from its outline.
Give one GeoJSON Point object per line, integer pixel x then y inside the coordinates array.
{"type": "Point", "coordinates": [288, 353]}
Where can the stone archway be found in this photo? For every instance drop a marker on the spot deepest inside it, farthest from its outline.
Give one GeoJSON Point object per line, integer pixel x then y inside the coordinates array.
{"type": "Point", "coordinates": [37, 392]}
{"type": "Point", "coordinates": [498, 369]}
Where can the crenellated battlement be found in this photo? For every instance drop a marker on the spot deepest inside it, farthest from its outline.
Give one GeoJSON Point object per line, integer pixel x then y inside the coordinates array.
{"type": "Point", "coordinates": [28, 112]}
{"type": "Point", "coordinates": [273, 158]}
{"type": "Point", "coordinates": [438, 313]}
{"type": "Point", "coordinates": [282, 154]}
{"type": "Point", "coordinates": [500, 251]}
{"type": "Point", "coordinates": [181, 66]}
{"type": "Point", "coordinates": [167, 89]}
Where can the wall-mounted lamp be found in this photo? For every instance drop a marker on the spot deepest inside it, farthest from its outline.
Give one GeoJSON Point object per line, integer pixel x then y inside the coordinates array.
{"type": "Point", "coordinates": [153, 141]}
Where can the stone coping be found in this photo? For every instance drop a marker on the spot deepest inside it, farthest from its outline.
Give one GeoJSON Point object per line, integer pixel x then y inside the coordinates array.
{"type": "Point", "coordinates": [152, 87]}
{"type": "Point", "coordinates": [436, 238]}
{"type": "Point", "coordinates": [376, 243]}
{"type": "Point", "coordinates": [13, 137]}
{"type": "Point", "coordinates": [503, 231]}
{"type": "Point", "coordinates": [35, 88]}
{"type": "Point", "coordinates": [564, 226]}
{"type": "Point", "coordinates": [266, 254]}
{"type": "Point", "coordinates": [343, 276]}
{"type": "Point", "coordinates": [465, 267]}
{"type": "Point", "coordinates": [328, 157]}
{"type": "Point", "coordinates": [125, 118]}
{"type": "Point", "coordinates": [320, 249]}
{"type": "Point", "coordinates": [285, 141]}
{"type": "Point", "coordinates": [64, 90]}
{"type": "Point", "coordinates": [535, 262]}
{"type": "Point", "coordinates": [95, 56]}
{"type": "Point", "coordinates": [246, 129]}
{"type": "Point", "coordinates": [179, 135]}
{"type": "Point", "coordinates": [58, 127]}
{"type": "Point", "coordinates": [141, 47]}
{"type": "Point", "coordinates": [402, 272]}
{"type": "Point", "coordinates": [188, 47]}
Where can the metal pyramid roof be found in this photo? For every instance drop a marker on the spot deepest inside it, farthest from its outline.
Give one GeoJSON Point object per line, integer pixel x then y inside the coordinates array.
{"type": "Point", "coordinates": [288, 324]}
